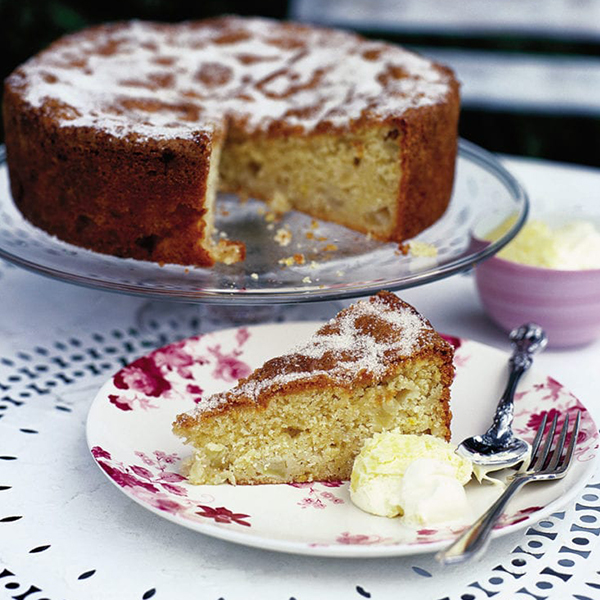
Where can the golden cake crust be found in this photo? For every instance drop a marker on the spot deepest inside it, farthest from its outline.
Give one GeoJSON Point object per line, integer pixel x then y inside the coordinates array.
{"type": "Point", "coordinates": [110, 131]}
{"type": "Point", "coordinates": [362, 346]}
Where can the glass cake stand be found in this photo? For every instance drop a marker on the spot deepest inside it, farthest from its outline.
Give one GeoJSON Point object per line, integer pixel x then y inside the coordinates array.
{"type": "Point", "coordinates": [337, 263]}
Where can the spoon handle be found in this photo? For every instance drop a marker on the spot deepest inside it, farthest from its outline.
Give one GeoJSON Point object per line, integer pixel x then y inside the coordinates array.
{"type": "Point", "coordinates": [526, 341]}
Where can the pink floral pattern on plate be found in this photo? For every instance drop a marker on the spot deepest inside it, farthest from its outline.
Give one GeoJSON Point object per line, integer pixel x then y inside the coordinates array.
{"type": "Point", "coordinates": [361, 539]}
{"type": "Point", "coordinates": [134, 447]}
{"type": "Point", "coordinates": [553, 399]}
{"type": "Point", "coordinates": [460, 357]}
{"type": "Point", "coordinates": [169, 372]}
{"type": "Point", "coordinates": [223, 515]}
{"type": "Point", "coordinates": [157, 485]}
{"type": "Point", "coordinates": [317, 498]}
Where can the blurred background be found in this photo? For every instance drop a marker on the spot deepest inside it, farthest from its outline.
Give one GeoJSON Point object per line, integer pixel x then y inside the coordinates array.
{"type": "Point", "coordinates": [530, 69]}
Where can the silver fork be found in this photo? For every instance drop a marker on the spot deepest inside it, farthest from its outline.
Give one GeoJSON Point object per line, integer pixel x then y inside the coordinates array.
{"type": "Point", "coordinates": [543, 466]}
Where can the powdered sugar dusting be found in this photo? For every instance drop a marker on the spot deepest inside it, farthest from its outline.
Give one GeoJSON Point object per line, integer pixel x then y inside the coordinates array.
{"type": "Point", "coordinates": [361, 341]}
{"type": "Point", "coordinates": [172, 81]}
{"type": "Point", "coordinates": [366, 352]}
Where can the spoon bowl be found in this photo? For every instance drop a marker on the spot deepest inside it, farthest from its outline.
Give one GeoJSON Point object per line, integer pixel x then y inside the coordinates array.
{"type": "Point", "coordinates": [484, 452]}
{"type": "Point", "coordinates": [498, 447]}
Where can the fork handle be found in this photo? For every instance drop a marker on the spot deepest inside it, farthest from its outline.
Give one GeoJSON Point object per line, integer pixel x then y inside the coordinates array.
{"type": "Point", "coordinates": [472, 542]}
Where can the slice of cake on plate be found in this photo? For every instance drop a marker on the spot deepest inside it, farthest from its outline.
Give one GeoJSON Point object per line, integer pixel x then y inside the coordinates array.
{"type": "Point", "coordinates": [303, 416]}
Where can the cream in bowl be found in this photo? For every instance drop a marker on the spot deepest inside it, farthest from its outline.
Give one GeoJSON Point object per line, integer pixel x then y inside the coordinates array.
{"type": "Point", "coordinates": [549, 274]}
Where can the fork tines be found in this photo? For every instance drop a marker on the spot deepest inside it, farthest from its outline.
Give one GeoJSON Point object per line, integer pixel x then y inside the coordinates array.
{"type": "Point", "coordinates": [543, 458]}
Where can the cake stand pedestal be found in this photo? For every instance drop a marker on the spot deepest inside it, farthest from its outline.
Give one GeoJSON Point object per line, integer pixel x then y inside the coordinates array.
{"type": "Point", "coordinates": [204, 318]}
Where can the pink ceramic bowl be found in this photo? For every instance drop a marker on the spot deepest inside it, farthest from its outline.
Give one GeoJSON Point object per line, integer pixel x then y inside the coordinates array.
{"type": "Point", "coordinates": [565, 303]}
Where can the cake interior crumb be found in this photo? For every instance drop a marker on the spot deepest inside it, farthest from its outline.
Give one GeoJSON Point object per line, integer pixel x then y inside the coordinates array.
{"type": "Point", "coordinates": [409, 401]}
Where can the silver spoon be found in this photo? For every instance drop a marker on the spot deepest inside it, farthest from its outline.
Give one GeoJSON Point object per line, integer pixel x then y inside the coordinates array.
{"type": "Point", "coordinates": [498, 447]}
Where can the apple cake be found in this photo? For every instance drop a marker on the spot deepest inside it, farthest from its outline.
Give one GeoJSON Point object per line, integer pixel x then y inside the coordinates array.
{"type": "Point", "coordinates": [119, 136]}
{"type": "Point", "coordinates": [303, 416]}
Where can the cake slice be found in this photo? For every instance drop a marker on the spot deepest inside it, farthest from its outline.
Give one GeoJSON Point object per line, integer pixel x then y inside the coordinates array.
{"type": "Point", "coordinates": [303, 416]}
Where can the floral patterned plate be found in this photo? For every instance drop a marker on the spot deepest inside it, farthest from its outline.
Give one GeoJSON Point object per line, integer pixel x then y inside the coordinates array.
{"type": "Point", "coordinates": [129, 435]}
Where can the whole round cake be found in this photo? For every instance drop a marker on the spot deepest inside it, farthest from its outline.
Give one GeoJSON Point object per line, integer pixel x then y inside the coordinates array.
{"type": "Point", "coordinates": [118, 137]}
